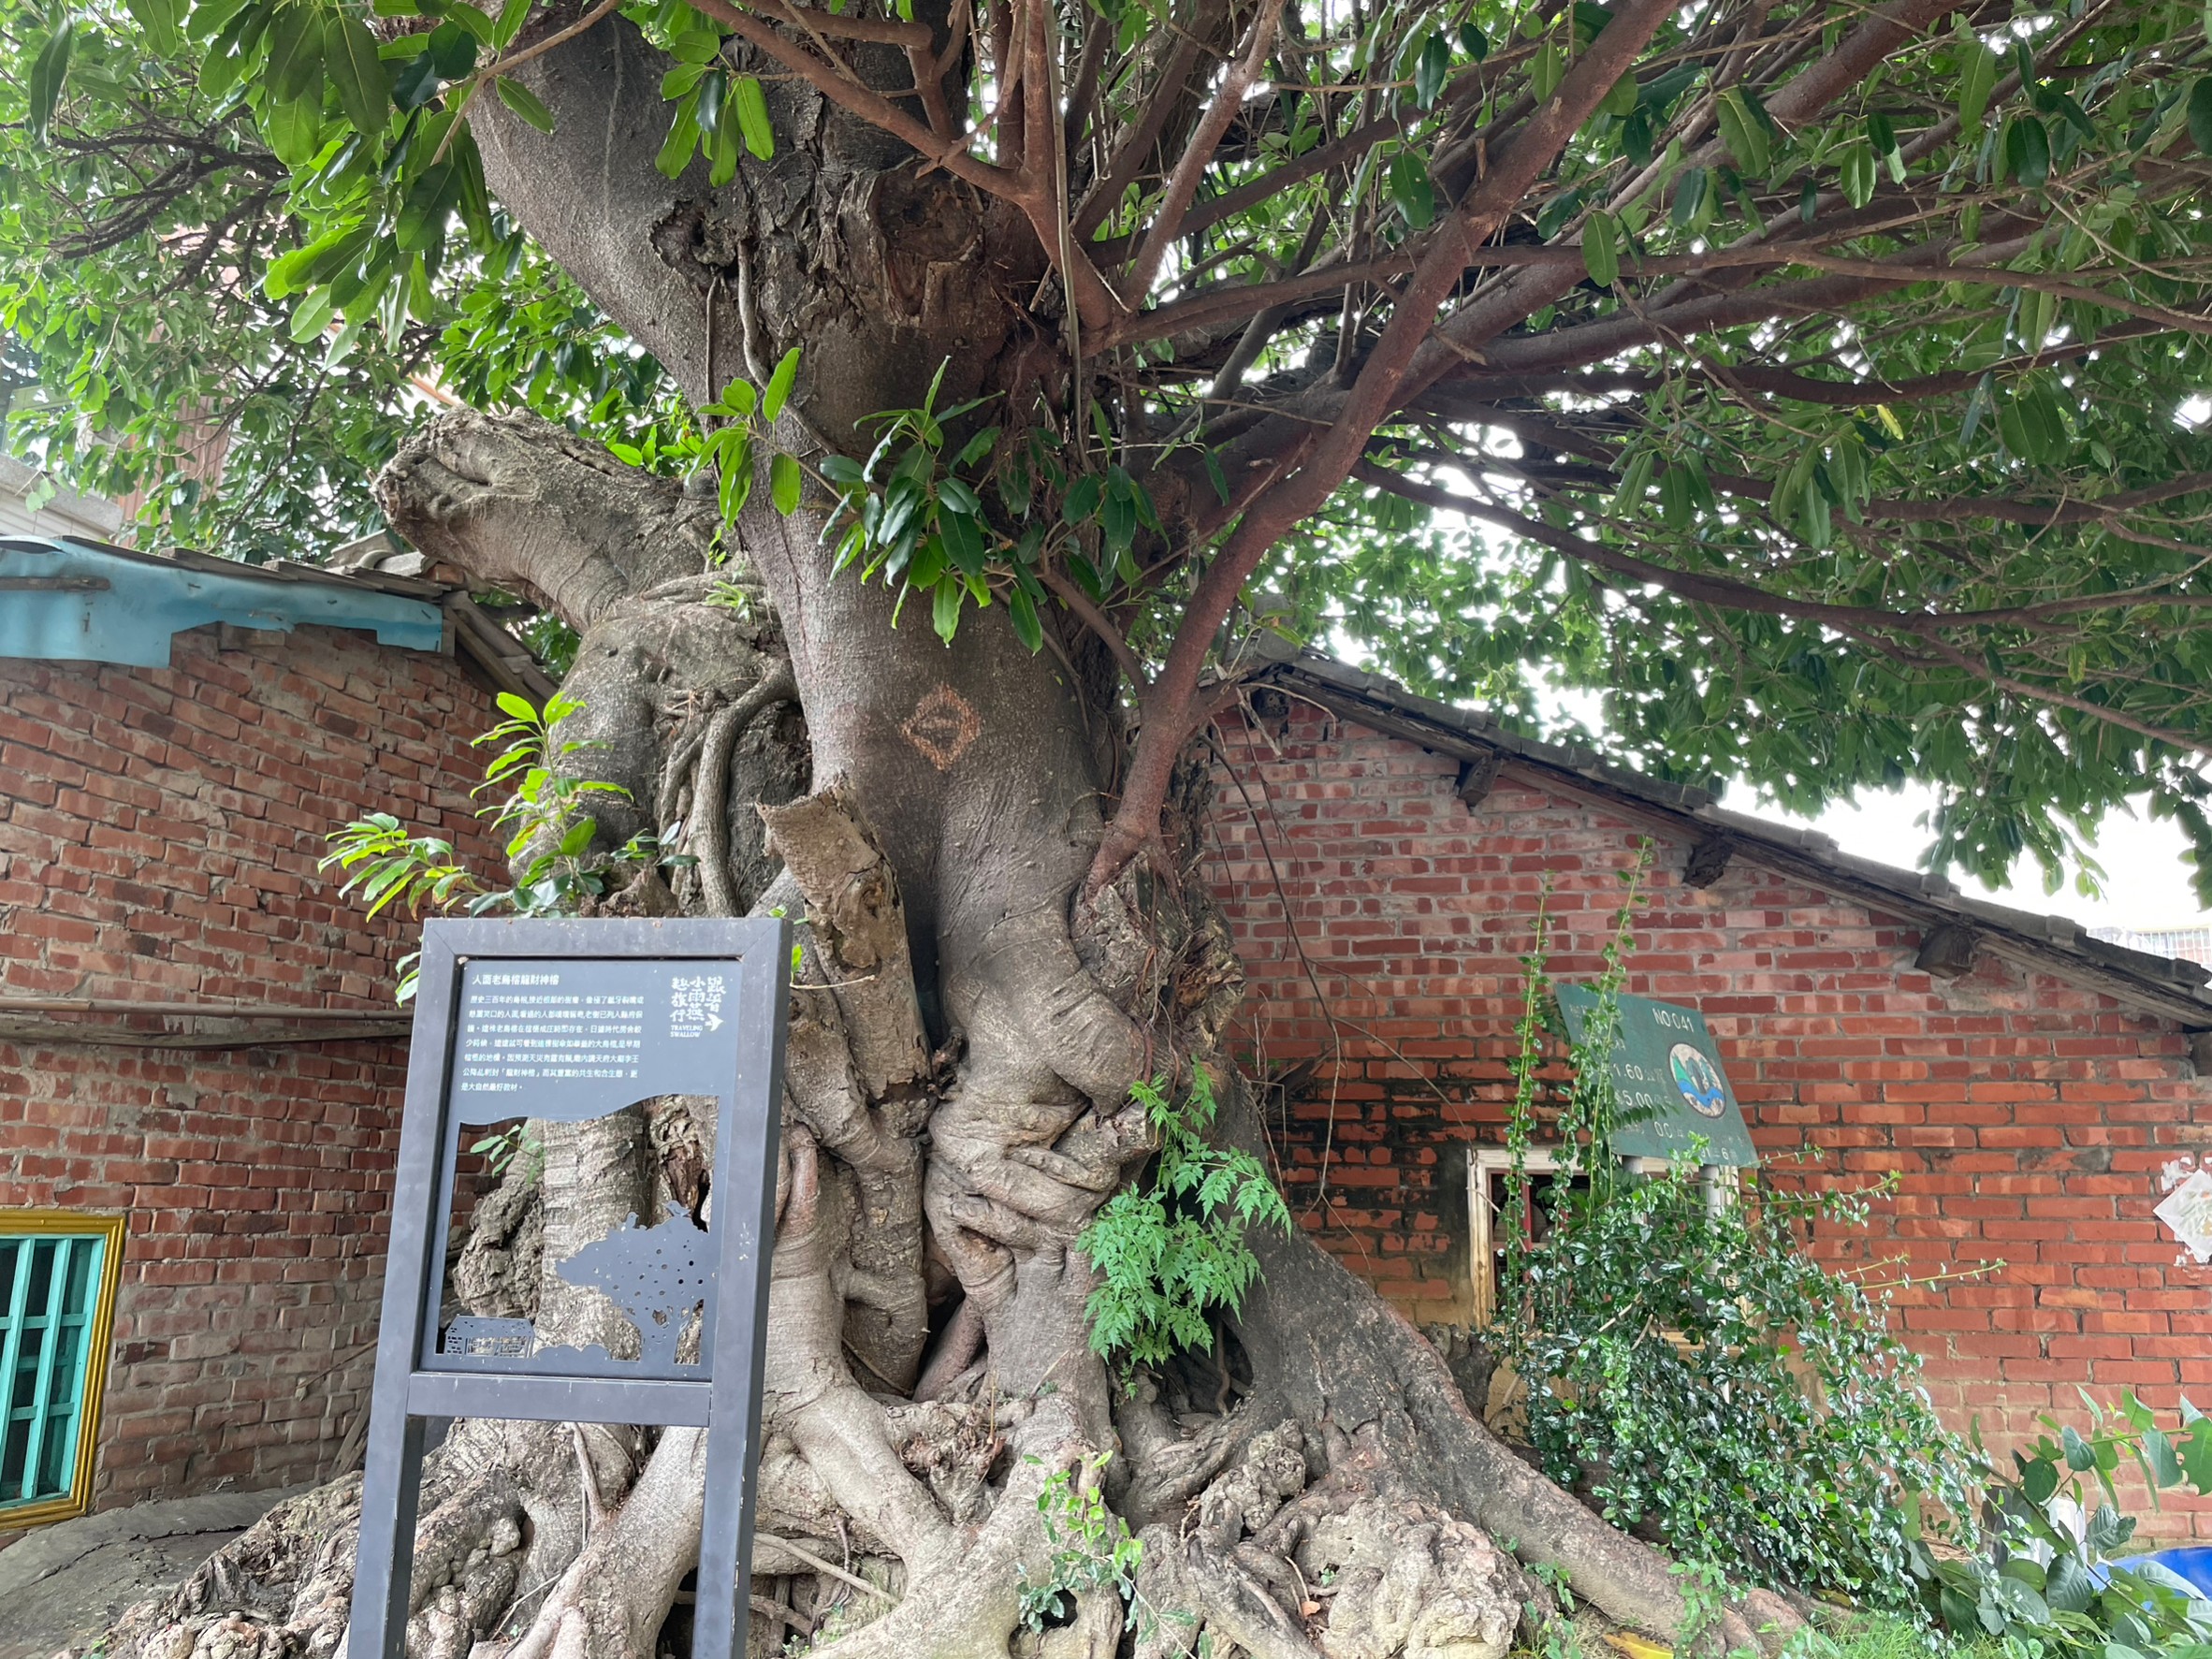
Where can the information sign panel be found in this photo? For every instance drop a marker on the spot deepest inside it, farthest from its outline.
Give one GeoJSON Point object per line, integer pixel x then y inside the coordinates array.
{"type": "Point", "coordinates": [1667, 1081]}
{"type": "Point", "coordinates": [541, 1022]}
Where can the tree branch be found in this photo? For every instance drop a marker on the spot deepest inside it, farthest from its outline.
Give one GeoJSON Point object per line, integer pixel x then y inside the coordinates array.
{"type": "Point", "coordinates": [1297, 483]}
{"type": "Point", "coordinates": [1923, 628]}
{"type": "Point", "coordinates": [1230, 303]}
{"type": "Point", "coordinates": [1079, 605]}
{"type": "Point", "coordinates": [1197, 155]}
{"type": "Point", "coordinates": [1136, 143]}
{"type": "Point", "coordinates": [834, 82]}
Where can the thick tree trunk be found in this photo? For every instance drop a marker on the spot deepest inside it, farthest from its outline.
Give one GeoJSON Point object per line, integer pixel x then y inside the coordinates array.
{"type": "Point", "coordinates": [963, 1048]}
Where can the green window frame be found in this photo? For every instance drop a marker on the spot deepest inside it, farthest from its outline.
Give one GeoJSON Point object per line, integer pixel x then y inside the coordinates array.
{"type": "Point", "coordinates": [59, 1271]}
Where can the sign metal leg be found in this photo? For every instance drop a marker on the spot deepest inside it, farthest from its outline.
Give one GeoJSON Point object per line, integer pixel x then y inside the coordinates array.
{"type": "Point", "coordinates": [390, 1484]}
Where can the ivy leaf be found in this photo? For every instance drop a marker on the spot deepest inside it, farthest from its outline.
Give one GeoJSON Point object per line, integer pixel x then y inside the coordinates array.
{"type": "Point", "coordinates": [752, 118]}
{"type": "Point", "coordinates": [48, 73]}
{"type": "Point", "coordinates": [1601, 249]}
{"type": "Point", "coordinates": [779, 385]}
{"type": "Point", "coordinates": [357, 70]}
{"type": "Point", "coordinates": [784, 481]}
{"type": "Point", "coordinates": [524, 102]}
{"type": "Point", "coordinates": [1977, 78]}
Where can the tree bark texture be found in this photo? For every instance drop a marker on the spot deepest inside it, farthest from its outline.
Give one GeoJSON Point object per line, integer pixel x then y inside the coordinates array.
{"type": "Point", "coordinates": [969, 1020]}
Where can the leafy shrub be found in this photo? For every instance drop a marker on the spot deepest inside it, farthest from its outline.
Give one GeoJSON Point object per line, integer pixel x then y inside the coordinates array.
{"type": "Point", "coordinates": [1091, 1548]}
{"type": "Point", "coordinates": [2051, 1576]}
{"type": "Point", "coordinates": [1697, 1371]}
{"type": "Point", "coordinates": [1173, 1250]}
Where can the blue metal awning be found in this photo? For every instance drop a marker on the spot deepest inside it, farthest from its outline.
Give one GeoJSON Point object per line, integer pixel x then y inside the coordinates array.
{"type": "Point", "coordinates": [75, 602]}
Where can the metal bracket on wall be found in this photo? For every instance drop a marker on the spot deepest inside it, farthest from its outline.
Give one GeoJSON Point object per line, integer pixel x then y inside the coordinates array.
{"type": "Point", "coordinates": [1708, 861]}
{"type": "Point", "coordinates": [1947, 951]}
{"type": "Point", "coordinates": [1478, 777]}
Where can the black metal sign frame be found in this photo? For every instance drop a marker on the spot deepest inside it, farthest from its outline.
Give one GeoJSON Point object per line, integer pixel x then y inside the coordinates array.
{"type": "Point", "coordinates": [721, 1393]}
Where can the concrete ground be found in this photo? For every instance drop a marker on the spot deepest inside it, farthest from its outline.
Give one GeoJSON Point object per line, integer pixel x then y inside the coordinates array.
{"type": "Point", "coordinates": [65, 1584]}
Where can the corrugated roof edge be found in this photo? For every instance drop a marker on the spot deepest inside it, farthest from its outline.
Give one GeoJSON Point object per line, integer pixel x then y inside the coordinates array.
{"type": "Point", "coordinates": [2167, 986]}
{"type": "Point", "coordinates": [501, 657]}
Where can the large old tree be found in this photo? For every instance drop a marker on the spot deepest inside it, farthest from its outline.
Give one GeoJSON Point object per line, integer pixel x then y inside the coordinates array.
{"type": "Point", "coordinates": [1817, 378]}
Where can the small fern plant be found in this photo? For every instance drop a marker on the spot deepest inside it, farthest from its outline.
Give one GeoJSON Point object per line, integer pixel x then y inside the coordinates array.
{"type": "Point", "coordinates": [1173, 1250]}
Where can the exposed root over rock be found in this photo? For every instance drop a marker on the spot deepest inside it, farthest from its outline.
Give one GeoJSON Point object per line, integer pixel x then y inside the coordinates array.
{"type": "Point", "coordinates": [1286, 1561]}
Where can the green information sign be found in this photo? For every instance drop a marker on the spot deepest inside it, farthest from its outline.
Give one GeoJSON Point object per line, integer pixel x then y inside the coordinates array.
{"type": "Point", "coordinates": [1667, 1077]}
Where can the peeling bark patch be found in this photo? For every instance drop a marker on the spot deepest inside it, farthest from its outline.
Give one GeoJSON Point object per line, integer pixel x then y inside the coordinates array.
{"type": "Point", "coordinates": [942, 726]}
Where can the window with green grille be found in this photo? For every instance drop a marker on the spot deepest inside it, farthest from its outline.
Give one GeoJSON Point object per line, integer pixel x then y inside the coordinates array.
{"type": "Point", "coordinates": [58, 1273]}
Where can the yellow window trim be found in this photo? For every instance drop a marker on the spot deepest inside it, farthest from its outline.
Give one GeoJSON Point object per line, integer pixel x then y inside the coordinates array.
{"type": "Point", "coordinates": [98, 1335]}
{"type": "Point", "coordinates": [1721, 1184]}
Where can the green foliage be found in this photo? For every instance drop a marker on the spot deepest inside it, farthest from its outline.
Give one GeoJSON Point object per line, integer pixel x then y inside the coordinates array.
{"type": "Point", "coordinates": [1695, 1369]}
{"type": "Point", "coordinates": [1779, 538]}
{"type": "Point", "coordinates": [501, 1150]}
{"type": "Point", "coordinates": [1891, 1635]}
{"type": "Point", "coordinates": [1091, 1546]}
{"type": "Point", "coordinates": [2055, 1535]}
{"type": "Point", "coordinates": [727, 435]}
{"type": "Point", "coordinates": [550, 836]}
{"type": "Point", "coordinates": [188, 292]}
{"type": "Point", "coordinates": [908, 514]}
{"type": "Point", "coordinates": [1171, 1251]}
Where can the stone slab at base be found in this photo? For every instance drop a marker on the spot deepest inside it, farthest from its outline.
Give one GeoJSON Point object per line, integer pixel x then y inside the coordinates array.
{"type": "Point", "coordinates": [64, 1585]}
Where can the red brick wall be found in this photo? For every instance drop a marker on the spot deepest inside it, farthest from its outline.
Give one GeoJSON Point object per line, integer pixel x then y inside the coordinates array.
{"type": "Point", "coordinates": [2027, 1118]}
{"type": "Point", "coordinates": [159, 830]}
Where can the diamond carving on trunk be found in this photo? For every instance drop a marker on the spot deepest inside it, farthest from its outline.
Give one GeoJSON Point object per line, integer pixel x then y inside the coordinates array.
{"type": "Point", "coordinates": [942, 726]}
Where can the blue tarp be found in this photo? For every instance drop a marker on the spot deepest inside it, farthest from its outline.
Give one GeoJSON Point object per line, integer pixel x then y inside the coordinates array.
{"type": "Point", "coordinates": [112, 606]}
